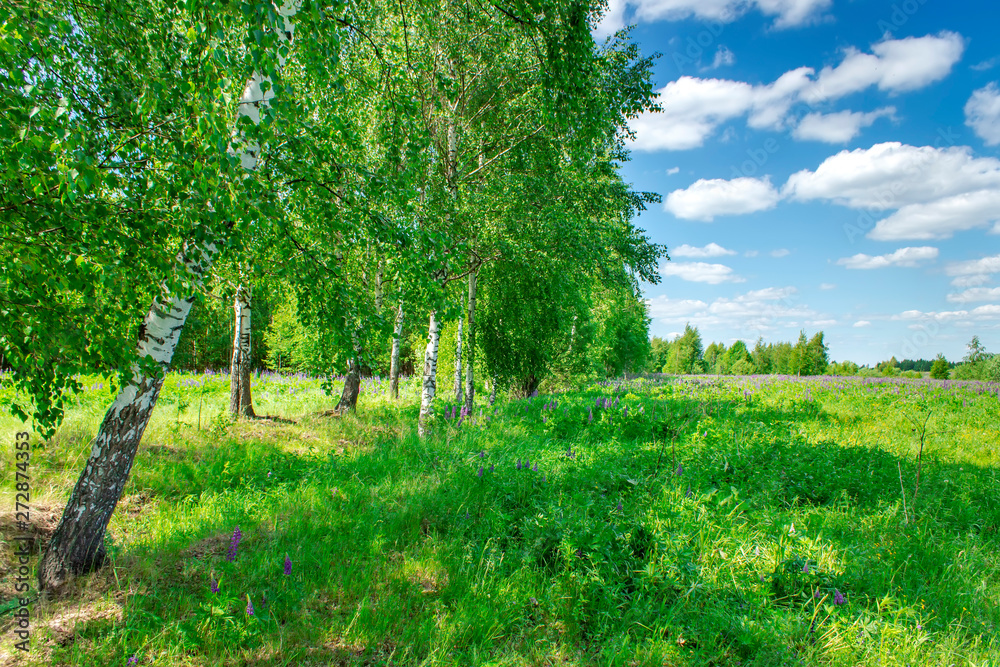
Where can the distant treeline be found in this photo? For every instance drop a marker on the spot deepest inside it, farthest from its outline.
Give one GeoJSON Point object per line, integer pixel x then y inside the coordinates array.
{"type": "Point", "coordinates": [685, 355]}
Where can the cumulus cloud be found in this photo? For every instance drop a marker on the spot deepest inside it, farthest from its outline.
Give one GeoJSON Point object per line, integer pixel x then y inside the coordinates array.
{"type": "Point", "coordinates": [787, 13]}
{"type": "Point", "coordinates": [692, 108]}
{"type": "Point", "coordinates": [906, 257]}
{"type": "Point", "coordinates": [706, 199]}
{"type": "Point", "coordinates": [973, 272]}
{"type": "Point", "coordinates": [980, 314]}
{"type": "Point", "coordinates": [982, 114]}
{"type": "Point", "coordinates": [700, 272]}
{"type": "Point", "coordinates": [754, 312]}
{"type": "Point", "coordinates": [837, 128]}
{"type": "Point", "coordinates": [894, 65]}
{"type": "Point", "coordinates": [862, 323]}
{"type": "Point", "coordinates": [710, 250]}
{"type": "Point", "coordinates": [723, 56]}
{"type": "Point", "coordinates": [934, 191]}
{"type": "Point", "coordinates": [976, 294]}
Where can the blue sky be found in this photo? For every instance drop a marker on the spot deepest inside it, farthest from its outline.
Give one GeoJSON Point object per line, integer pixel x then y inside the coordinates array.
{"type": "Point", "coordinates": [825, 165]}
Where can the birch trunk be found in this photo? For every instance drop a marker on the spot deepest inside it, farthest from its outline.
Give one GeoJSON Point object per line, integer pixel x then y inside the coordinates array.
{"type": "Point", "coordinates": [394, 360]}
{"type": "Point", "coordinates": [77, 545]}
{"type": "Point", "coordinates": [493, 390]}
{"type": "Point", "coordinates": [240, 400]}
{"type": "Point", "coordinates": [458, 363]}
{"type": "Point", "coordinates": [429, 378]}
{"type": "Point", "coordinates": [470, 355]}
{"type": "Point", "coordinates": [352, 383]}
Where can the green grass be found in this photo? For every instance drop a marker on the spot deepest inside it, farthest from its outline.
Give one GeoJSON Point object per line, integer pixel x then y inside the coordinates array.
{"type": "Point", "coordinates": [788, 493]}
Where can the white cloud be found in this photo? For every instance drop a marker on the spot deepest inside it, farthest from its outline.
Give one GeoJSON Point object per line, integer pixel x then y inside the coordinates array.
{"type": "Point", "coordinates": [967, 317]}
{"type": "Point", "coordinates": [700, 272]}
{"type": "Point", "coordinates": [862, 323]}
{"type": "Point", "coordinates": [894, 65]}
{"type": "Point", "coordinates": [753, 313]}
{"type": "Point", "coordinates": [973, 272]}
{"type": "Point", "coordinates": [751, 253]}
{"type": "Point", "coordinates": [837, 128]}
{"type": "Point", "coordinates": [982, 114]}
{"type": "Point", "coordinates": [985, 65]}
{"type": "Point", "coordinates": [711, 250]}
{"type": "Point", "coordinates": [907, 257]}
{"type": "Point", "coordinates": [827, 286]}
{"type": "Point", "coordinates": [934, 191]}
{"type": "Point", "coordinates": [612, 20]}
{"type": "Point", "coordinates": [940, 219]}
{"type": "Point", "coordinates": [787, 13]}
{"type": "Point", "coordinates": [692, 108]}
{"type": "Point", "coordinates": [781, 252]}
{"type": "Point", "coordinates": [705, 199]}
{"type": "Point", "coordinates": [976, 294]}
{"type": "Point", "coordinates": [673, 170]}
{"type": "Point", "coordinates": [723, 57]}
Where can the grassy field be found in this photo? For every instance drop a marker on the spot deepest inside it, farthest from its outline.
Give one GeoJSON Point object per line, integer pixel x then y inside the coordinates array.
{"type": "Point", "coordinates": [710, 521]}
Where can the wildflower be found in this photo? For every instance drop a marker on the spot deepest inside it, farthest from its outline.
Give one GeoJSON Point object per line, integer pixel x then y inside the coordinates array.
{"type": "Point", "coordinates": [838, 597]}
{"type": "Point", "coordinates": [215, 585]}
{"type": "Point", "coordinates": [816, 595]}
{"type": "Point", "coordinates": [482, 454]}
{"type": "Point", "coordinates": [805, 569]}
{"type": "Point", "coordinates": [590, 415]}
{"type": "Point", "coordinates": [491, 467]}
{"type": "Point", "coordinates": [527, 463]}
{"type": "Point", "coordinates": [680, 469]}
{"type": "Point", "coordinates": [688, 494]}
{"type": "Point", "coordinates": [519, 464]}
{"type": "Point", "coordinates": [234, 544]}
{"type": "Point", "coordinates": [619, 508]}
{"type": "Point", "coordinates": [535, 469]}
{"type": "Point", "coordinates": [466, 515]}
{"type": "Point", "coordinates": [249, 607]}
{"type": "Point", "coordinates": [288, 565]}
{"type": "Point", "coordinates": [480, 473]}
{"type": "Point", "coordinates": [134, 660]}
{"type": "Point", "coordinates": [544, 479]}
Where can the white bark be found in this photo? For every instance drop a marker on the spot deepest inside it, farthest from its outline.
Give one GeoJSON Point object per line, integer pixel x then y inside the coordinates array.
{"type": "Point", "coordinates": [240, 401]}
{"type": "Point", "coordinates": [77, 545]}
{"type": "Point", "coordinates": [429, 377]}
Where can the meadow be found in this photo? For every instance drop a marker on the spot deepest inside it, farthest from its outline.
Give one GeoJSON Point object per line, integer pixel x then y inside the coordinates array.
{"type": "Point", "coordinates": [654, 521]}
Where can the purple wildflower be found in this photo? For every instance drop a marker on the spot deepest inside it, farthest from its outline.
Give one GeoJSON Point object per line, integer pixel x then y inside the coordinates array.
{"type": "Point", "coordinates": [480, 473]}
{"type": "Point", "coordinates": [680, 469]}
{"type": "Point", "coordinates": [466, 515]}
{"type": "Point", "coordinates": [491, 467]}
{"type": "Point", "coordinates": [288, 565]}
{"type": "Point", "coordinates": [234, 544]}
{"type": "Point", "coordinates": [535, 469]}
{"type": "Point", "coordinates": [215, 585]}
{"type": "Point", "coordinates": [688, 494]}
{"type": "Point", "coordinates": [805, 569]}
{"type": "Point", "coordinates": [134, 660]}
{"type": "Point", "coordinates": [816, 595]}
{"type": "Point", "coordinates": [590, 415]}
{"type": "Point", "coordinates": [482, 454]}
{"type": "Point", "coordinates": [249, 607]}
{"type": "Point", "coordinates": [619, 508]}
{"type": "Point", "coordinates": [519, 464]}
{"type": "Point", "coordinates": [838, 597]}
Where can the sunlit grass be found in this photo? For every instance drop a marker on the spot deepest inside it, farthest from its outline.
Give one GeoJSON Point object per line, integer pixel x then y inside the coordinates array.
{"type": "Point", "coordinates": [688, 523]}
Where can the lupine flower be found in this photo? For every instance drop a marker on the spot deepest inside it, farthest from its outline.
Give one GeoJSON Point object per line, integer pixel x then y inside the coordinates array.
{"type": "Point", "coordinates": [535, 468]}
{"type": "Point", "coordinates": [234, 544]}
{"type": "Point", "coordinates": [619, 506]}
{"type": "Point", "coordinates": [491, 467]}
{"type": "Point", "coordinates": [480, 474]}
{"type": "Point", "coordinates": [838, 598]}
{"type": "Point", "coordinates": [805, 569]}
{"type": "Point", "coordinates": [816, 595]}
{"type": "Point", "coordinates": [288, 565]}
{"type": "Point", "coordinates": [466, 515]}
{"type": "Point", "coordinates": [688, 494]}
{"type": "Point", "coordinates": [527, 463]}
{"type": "Point", "coordinates": [519, 464]}
{"type": "Point", "coordinates": [590, 415]}
{"type": "Point", "coordinates": [249, 607]}
{"type": "Point", "coordinates": [544, 479]}
{"type": "Point", "coordinates": [134, 660]}
{"type": "Point", "coordinates": [482, 454]}
{"type": "Point", "coordinates": [680, 469]}
{"type": "Point", "coordinates": [215, 585]}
